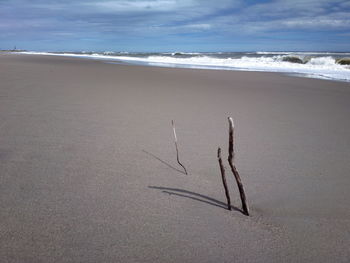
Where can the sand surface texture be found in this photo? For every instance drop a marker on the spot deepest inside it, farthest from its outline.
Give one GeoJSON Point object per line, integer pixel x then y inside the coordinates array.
{"type": "Point", "coordinates": [88, 168]}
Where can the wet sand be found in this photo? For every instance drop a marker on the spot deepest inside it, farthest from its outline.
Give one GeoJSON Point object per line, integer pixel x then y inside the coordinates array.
{"type": "Point", "coordinates": [88, 168]}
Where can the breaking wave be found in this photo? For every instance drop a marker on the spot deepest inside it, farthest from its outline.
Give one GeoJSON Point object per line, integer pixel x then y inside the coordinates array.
{"type": "Point", "coordinates": [311, 64]}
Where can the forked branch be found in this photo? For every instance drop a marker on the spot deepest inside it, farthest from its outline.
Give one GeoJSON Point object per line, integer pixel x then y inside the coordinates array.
{"type": "Point", "coordinates": [223, 176]}
{"type": "Point", "coordinates": [231, 154]}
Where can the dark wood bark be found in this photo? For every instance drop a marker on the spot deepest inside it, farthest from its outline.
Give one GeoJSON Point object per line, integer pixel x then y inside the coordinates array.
{"type": "Point", "coordinates": [223, 176]}
{"type": "Point", "coordinates": [231, 154]}
{"type": "Point", "coordinates": [177, 150]}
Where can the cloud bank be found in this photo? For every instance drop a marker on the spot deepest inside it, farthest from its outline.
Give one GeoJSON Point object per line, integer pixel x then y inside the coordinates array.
{"type": "Point", "coordinates": [175, 24]}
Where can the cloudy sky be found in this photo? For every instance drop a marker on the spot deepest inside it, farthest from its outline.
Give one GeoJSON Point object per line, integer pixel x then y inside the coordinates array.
{"type": "Point", "coordinates": [175, 25]}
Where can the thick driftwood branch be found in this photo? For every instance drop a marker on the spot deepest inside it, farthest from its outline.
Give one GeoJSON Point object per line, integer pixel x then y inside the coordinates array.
{"type": "Point", "coordinates": [222, 169]}
{"type": "Point", "coordinates": [177, 151]}
{"type": "Point", "coordinates": [234, 169]}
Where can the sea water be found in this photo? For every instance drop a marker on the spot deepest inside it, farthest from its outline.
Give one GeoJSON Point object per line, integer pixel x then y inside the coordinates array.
{"type": "Point", "coordinates": [310, 64]}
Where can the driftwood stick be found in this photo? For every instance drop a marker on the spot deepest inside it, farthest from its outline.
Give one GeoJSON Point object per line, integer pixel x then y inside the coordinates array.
{"type": "Point", "coordinates": [234, 169]}
{"type": "Point", "coordinates": [177, 151]}
{"type": "Point", "coordinates": [222, 169]}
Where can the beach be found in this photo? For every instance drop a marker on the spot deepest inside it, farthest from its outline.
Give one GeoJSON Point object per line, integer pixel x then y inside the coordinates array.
{"type": "Point", "coordinates": [88, 169]}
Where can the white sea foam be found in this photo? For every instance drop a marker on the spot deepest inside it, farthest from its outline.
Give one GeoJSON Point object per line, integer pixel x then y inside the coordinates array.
{"type": "Point", "coordinates": [308, 53]}
{"type": "Point", "coordinates": [322, 67]}
{"type": "Point", "coordinates": [318, 67]}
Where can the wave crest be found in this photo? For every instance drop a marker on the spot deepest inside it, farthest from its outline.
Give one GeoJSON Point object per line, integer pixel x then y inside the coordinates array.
{"type": "Point", "coordinates": [313, 66]}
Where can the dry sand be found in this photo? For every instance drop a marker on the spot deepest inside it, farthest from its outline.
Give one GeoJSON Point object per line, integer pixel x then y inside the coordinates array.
{"type": "Point", "coordinates": [88, 169]}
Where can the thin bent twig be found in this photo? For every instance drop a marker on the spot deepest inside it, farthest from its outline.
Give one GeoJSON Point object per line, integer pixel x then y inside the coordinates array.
{"type": "Point", "coordinates": [177, 151]}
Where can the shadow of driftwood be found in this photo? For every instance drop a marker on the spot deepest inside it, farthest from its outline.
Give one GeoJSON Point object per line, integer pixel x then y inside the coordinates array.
{"type": "Point", "coordinates": [163, 162]}
{"type": "Point", "coordinates": [194, 196]}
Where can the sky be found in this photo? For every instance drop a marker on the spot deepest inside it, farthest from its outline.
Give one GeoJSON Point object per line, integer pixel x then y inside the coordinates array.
{"type": "Point", "coordinates": [175, 25]}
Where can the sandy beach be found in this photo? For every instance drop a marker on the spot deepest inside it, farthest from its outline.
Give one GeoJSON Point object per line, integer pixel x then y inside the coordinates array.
{"type": "Point", "coordinates": [88, 169]}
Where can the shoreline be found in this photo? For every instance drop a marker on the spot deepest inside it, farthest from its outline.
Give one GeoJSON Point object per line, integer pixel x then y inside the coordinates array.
{"type": "Point", "coordinates": [89, 172]}
{"type": "Point", "coordinates": [292, 68]}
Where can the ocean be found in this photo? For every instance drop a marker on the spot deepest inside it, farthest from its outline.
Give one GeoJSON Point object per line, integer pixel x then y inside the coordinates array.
{"type": "Point", "coordinates": [324, 65]}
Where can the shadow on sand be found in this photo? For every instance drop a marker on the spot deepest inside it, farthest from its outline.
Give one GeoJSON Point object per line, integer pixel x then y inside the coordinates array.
{"type": "Point", "coordinates": [162, 161]}
{"type": "Point", "coordinates": [194, 196]}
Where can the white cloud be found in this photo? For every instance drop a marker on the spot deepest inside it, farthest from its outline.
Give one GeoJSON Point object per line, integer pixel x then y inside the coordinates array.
{"type": "Point", "coordinates": [186, 6]}
{"type": "Point", "coordinates": [317, 23]}
{"type": "Point", "coordinates": [198, 26]}
{"type": "Point", "coordinates": [169, 17]}
{"type": "Point", "coordinates": [134, 6]}
{"type": "Point", "coordinates": [282, 15]}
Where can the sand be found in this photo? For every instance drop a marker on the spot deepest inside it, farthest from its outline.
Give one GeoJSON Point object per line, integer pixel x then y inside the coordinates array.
{"type": "Point", "coordinates": [88, 168]}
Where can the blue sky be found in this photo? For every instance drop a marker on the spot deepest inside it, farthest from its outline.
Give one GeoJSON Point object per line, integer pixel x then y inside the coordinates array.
{"type": "Point", "coordinates": [175, 25]}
